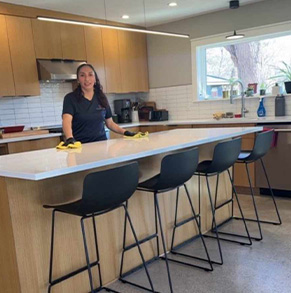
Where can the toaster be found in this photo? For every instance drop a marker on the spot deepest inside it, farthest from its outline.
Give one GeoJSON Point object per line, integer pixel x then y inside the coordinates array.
{"type": "Point", "coordinates": [158, 115]}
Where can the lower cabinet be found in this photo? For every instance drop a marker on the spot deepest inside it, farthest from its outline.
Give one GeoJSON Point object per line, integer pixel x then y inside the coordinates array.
{"type": "Point", "coordinates": [28, 145]}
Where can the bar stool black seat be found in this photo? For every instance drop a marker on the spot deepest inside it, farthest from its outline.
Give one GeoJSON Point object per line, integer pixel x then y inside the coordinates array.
{"type": "Point", "coordinates": [99, 196]}
{"type": "Point", "coordinates": [224, 156]}
{"type": "Point", "coordinates": [176, 169]}
{"type": "Point", "coordinates": [262, 145]}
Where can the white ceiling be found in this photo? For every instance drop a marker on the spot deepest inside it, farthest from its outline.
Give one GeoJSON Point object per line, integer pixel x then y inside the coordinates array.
{"type": "Point", "coordinates": [156, 11]}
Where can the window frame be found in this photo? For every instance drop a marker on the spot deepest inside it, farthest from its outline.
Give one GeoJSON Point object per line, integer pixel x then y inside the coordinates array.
{"type": "Point", "coordinates": [199, 46]}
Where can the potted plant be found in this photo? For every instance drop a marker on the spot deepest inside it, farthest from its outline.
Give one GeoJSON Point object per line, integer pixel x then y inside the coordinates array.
{"type": "Point", "coordinates": [285, 75]}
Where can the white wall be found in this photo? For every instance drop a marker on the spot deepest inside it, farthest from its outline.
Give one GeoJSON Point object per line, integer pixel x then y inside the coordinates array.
{"type": "Point", "coordinates": [45, 109]}
{"type": "Point", "coordinates": [178, 101]}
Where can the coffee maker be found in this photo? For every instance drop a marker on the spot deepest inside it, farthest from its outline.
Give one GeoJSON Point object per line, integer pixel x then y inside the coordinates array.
{"type": "Point", "coordinates": [122, 109]}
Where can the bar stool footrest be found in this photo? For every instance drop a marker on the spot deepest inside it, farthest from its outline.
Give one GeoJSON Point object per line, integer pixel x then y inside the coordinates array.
{"type": "Point", "coordinates": [148, 238]}
{"type": "Point", "coordinates": [72, 274]}
{"type": "Point", "coordinates": [229, 240]}
{"type": "Point", "coordinates": [186, 221]}
{"type": "Point", "coordinates": [261, 221]}
{"type": "Point", "coordinates": [223, 204]}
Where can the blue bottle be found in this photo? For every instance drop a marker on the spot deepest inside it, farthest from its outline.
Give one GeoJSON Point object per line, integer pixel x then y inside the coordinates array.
{"type": "Point", "coordinates": [261, 110]}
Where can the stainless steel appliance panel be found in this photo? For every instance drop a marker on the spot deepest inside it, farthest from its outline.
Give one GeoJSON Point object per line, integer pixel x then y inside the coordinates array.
{"type": "Point", "coordinates": [277, 161]}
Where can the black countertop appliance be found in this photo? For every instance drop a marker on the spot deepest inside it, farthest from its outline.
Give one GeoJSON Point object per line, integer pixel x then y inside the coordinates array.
{"type": "Point", "coordinates": [122, 109]}
{"type": "Point", "coordinates": [158, 115]}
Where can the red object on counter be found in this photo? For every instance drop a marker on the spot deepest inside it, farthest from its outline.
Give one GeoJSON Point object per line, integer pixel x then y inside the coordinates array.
{"type": "Point", "coordinates": [10, 129]}
{"type": "Point", "coordinates": [237, 115]}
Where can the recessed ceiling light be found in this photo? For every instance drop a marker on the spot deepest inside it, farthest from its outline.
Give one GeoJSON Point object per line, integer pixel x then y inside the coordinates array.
{"type": "Point", "coordinates": [173, 4]}
{"type": "Point", "coordinates": [125, 16]}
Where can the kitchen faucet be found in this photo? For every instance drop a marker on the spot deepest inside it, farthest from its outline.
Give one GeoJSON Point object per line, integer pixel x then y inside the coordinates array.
{"type": "Point", "coordinates": [243, 109]}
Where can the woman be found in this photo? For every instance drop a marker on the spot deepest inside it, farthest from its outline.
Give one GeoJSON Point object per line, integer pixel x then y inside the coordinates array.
{"type": "Point", "coordinates": [86, 109]}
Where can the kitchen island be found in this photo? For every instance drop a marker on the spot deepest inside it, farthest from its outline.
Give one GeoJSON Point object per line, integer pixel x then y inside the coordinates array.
{"type": "Point", "coordinates": [29, 180]}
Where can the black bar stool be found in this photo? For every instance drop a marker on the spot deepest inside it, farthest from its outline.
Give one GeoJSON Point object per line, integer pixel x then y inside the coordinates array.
{"type": "Point", "coordinates": [261, 147]}
{"type": "Point", "coordinates": [99, 196]}
{"type": "Point", "coordinates": [176, 169]}
{"type": "Point", "coordinates": [224, 156]}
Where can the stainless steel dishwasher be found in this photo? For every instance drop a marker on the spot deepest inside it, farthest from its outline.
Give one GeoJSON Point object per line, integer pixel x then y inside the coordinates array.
{"type": "Point", "coordinates": [277, 162]}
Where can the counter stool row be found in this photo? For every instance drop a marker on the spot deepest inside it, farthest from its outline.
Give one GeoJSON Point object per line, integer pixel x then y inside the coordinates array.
{"type": "Point", "coordinates": [100, 196]}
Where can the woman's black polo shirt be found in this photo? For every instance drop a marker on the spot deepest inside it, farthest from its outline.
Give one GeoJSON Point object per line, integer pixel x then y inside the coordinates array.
{"type": "Point", "coordinates": [88, 117]}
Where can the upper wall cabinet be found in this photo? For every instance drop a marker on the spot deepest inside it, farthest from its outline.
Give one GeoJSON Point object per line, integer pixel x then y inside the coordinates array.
{"type": "Point", "coordinates": [47, 39]}
{"type": "Point", "coordinates": [133, 61]}
{"type": "Point", "coordinates": [58, 41]}
{"type": "Point", "coordinates": [94, 50]}
{"type": "Point", "coordinates": [22, 56]}
{"type": "Point", "coordinates": [6, 76]}
{"type": "Point", "coordinates": [111, 60]}
{"type": "Point", "coordinates": [73, 42]}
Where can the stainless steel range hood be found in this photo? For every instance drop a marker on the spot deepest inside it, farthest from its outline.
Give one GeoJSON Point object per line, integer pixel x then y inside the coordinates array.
{"type": "Point", "coordinates": [57, 70]}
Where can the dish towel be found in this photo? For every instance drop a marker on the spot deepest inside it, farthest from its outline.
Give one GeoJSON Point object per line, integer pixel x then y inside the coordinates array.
{"type": "Point", "coordinates": [138, 135]}
{"type": "Point", "coordinates": [75, 145]}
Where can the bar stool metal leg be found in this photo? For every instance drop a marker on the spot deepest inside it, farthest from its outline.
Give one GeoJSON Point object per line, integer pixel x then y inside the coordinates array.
{"type": "Point", "coordinates": [273, 198]}
{"type": "Point", "coordinates": [52, 251]}
{"type": "Point", "coordinates": [141, 255]}
{"type": "Point", "coordinates": [163, 241]}
{"type": "Point", "coordinates": [97, 251]}
{"type": "Point", "coordinates": [215, 226]}
{"type": "Point", "coordinates": [176, 225]}
{"type": "Point", "coordinates": [87, 255]}
{"type": "Point", "coordinates": [230, 218]}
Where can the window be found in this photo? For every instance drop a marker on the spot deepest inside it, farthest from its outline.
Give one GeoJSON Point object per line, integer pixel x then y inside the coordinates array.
{"type": "Point", "coordinates": [256, 61]}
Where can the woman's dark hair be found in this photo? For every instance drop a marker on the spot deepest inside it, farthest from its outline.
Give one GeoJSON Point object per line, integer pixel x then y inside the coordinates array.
{"type": "Point", "coordinates": [98, 89]}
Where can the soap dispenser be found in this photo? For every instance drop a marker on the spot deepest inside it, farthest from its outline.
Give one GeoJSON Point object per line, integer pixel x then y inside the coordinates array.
{"type": "Point", "coordinates": [261, 110]}
{"type": "Point", "coordinates": [280, 106]}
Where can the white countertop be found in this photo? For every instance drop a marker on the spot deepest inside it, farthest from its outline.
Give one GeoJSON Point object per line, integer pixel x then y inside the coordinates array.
{"type": "Point", "coordinates": [32, 137]}
{"type": "Point", "coordinates": [42, 164]}
{"type": "Point", "coordinates": [270, 120]}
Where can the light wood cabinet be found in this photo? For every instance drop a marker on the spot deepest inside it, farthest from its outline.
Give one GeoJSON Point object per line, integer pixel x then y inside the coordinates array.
{"type": "Point", "coordinates": [22, 56]}
{"type": "Point", "coordinates": [111, 60]}
{"type": "Point", "coordinates": [73, 42]}
{"type": "Point", "coordinates": [6, 77]}
{"type": "Point", "coordinates": [94, 50]}
{"type": "Point", "coordinates": [133, 61]}
{"type": "Point", "coordinates": [47, 39]}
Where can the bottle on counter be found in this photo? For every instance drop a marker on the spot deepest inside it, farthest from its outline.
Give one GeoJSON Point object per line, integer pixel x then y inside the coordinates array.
{"type": "Point", "coordinates": [276, 90]}
{"type": "Point", "coordinates": [280, 105]}
{"type": "Point", "coordinates": [261, 110]}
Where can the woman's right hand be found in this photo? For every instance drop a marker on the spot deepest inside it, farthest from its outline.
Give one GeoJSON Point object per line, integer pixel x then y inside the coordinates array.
{"type": "Point", "coordinates": [70, 140]}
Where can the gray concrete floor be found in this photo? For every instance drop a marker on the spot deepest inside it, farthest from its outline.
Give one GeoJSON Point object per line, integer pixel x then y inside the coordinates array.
{"type": "Point", "coordinates": [263, 267]}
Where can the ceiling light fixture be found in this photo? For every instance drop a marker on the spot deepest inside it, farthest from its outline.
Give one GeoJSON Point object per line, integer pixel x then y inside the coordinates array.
{"type": "Point", "coordinates": [173, 4]}
{"type": "Point", "coordinates": [235, 36]}
{"type": "Point", "coordinates": [112, 27]}
{"type": "Point", "coordinates": [125, 16]}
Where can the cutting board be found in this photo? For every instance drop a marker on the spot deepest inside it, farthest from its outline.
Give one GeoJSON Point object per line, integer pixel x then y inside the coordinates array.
{"type": "Point", "coordinates": [23, 133]}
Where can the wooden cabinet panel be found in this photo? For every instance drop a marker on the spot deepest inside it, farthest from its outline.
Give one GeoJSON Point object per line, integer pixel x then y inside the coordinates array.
{"type": "Point", "coordinates": [47, 39]}
{"type": "Point", "coordinates": [111, 60]}
{"type": "Point", "coordinates": [6, 76]}
{"type": "Point", "coordinates": [133, 61]}
{"type": "Point", "coordinates": [73, 42]}
{"type": "Point", "coordinates": [22, 56]}
{"type": "Point", "coordinates": [94, 50]}
{"type": "Point", "coordinates": [142, 62]}
{"type": "Point", "coordinates": [32, 145]}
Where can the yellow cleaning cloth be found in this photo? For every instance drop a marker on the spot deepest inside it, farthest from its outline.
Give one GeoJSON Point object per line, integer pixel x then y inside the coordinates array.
{"type": "Point", "coordinates": [75, 145]}
{"type": "Point", "coordinates": [139, 135]}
